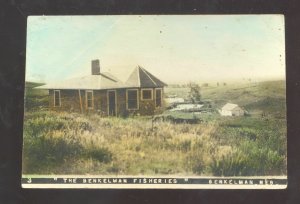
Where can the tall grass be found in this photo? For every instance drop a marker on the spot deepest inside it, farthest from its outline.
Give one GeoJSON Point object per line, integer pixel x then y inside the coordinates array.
{"type": "Point", "coordinates": [70, 143]}
{"type": "Point", "coordinates": [51, 140]}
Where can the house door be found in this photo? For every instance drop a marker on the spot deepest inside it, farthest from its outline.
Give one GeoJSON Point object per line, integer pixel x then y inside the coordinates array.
{"type": "Point", "coordinates": [158, 97]}
{"type": "Point", "coordinates": [111, 103]}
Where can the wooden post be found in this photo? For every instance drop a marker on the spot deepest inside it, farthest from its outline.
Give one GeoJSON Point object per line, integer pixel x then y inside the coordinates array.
{"type": "Point", "coordinates": [80, 100]}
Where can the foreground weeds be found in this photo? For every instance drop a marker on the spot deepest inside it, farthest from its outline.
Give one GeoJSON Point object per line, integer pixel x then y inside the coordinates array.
{"type": "Point", "coordinates": [70, 143]}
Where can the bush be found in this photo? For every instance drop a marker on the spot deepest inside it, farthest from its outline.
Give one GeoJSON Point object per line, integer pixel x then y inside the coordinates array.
{"type": "Point", "coordinates": [249, 160]}
{"type": "Point", "coordinates": [35, 103]}
{"type": "Point", "coordinates": [45, 151]}
{"type": "Point", "coordinates": [196, 162]}
{"type": "Point", "coordinates": [200, 155]}
{"type": "Point", "coordinates": [50, 140]}
{"type": "Point", "coordinates": [37, 123]}
{"type": "Point", "coordinates": [98, 153]}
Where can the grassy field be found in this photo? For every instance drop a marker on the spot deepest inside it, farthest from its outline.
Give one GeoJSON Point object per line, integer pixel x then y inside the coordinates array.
{"type": "Point", "coordinates": [268, 97]}
{"type": "Point", "coordinates": [71, 143]}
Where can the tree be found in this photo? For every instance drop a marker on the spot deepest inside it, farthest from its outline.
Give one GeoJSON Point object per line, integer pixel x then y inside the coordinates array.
{"type": "Point", "coordinates": [194, 93]}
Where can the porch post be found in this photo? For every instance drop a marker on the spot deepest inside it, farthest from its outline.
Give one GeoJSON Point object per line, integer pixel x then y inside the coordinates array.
{"type": "Point", "coordinates": [80, 100]}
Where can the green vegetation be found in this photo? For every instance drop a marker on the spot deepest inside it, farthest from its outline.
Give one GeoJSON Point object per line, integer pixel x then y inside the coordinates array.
{"type": "Point", "coordinates": [72, 143]}
{"type": "Point", "coordinates": [194, 93]}
{"type": "Point", "coordinates": [69, 143]}
{"type": "Point", "coordinates": [240, 93]}
{"type": "Point", "coordinates": [35, 99]}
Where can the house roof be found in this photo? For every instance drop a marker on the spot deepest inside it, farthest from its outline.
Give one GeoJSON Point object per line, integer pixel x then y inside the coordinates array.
{"type": "Point", "coordinates": [142, 78]}
{"type": "Point", "coordinates": [138, 78]}
{"type": "Point", "coordinates": [229, 106]}
{"type": "Point", "coordinates": [102, 81]}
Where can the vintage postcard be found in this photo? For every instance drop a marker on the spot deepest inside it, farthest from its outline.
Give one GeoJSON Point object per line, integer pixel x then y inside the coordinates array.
{"type": "Point", "coordinates": [155, 101]}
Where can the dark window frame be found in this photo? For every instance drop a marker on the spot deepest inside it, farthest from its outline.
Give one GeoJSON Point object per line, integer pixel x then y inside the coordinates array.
{"type": "Point", "coordinates": [142, 95]}
{"type": "Point", "coordinates": [161, 97]}
{"type": "Point", "coordinates": [137, 99]}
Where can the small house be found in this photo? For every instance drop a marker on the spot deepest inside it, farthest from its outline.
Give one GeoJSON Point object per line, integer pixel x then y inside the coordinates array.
{"type": "Point", "coordinates": [231, 109]}
{"type": "Point", "coordinates": [103, 93]}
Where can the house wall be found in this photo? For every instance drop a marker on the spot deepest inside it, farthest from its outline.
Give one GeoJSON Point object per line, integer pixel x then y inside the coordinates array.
{"type": "Point", "coordinates": [100, 102]}
{"type": "Point", "coordinates": [121, 102]}
{"type": "Point", "coordinates": [70, 101]}
{"type": "Point", "coordinates": [147, 107]}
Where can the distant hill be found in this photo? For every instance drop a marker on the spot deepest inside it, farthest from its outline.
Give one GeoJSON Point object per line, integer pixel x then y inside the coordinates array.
{"type": "Point", "coordinates": [265, 97]}
{"type": "Point", "coordinates": [268, 96]}
{"type": "Point", "coordinates": [245, 92]}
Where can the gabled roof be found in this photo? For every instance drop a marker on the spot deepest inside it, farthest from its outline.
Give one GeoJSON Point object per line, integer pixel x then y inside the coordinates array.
{"type": "Point", "coordinates": [229, 106]}
{"type": "Point", "coordinates": [142, 78]}
{"type": "Point", "coordinates": [102, 81]}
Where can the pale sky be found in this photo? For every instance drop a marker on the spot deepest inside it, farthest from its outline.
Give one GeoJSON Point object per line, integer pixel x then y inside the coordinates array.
{"type": "Point", "coordinates": [175, 48]}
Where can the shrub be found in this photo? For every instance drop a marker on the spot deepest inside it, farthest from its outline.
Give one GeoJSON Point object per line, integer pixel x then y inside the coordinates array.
{"type": "Point", "coordinates": [230, 165]}
{"type": "Point", "coordinates": [194, 93]}
{"type": "Point", "coordinates": [196, 162]}
{"type": "Point", "coordinates": [50, 140]}
{"type": "Point", "coordinates": [248, 160]}
{"type": "Point", "coordinates": [199, 157]}
{"type": "Point", "coordinates": [98, 153]}
{"type": "Point", "coordinates": [45, 151]}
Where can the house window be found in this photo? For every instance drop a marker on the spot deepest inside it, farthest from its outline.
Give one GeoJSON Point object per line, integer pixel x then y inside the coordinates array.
{"type": "Point", "coordinates": [158, 97]}
{"type": "Point", "coordinates": [57, 100]}
{"type": "Point", "coordinates": [147, 94]}
{"type": "Point", "coordinates": [132, 99]}
{"type": "Point", "coordinates": [89, 99]}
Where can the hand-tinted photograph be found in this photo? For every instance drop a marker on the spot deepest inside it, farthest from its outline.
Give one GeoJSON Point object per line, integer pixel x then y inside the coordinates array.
{"type": "Point", "coordinates": [155, 101]}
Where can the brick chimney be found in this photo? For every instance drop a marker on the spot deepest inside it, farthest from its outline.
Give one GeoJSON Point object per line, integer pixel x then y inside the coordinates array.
{"type": "Point", "coordinates": [95, 67]}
